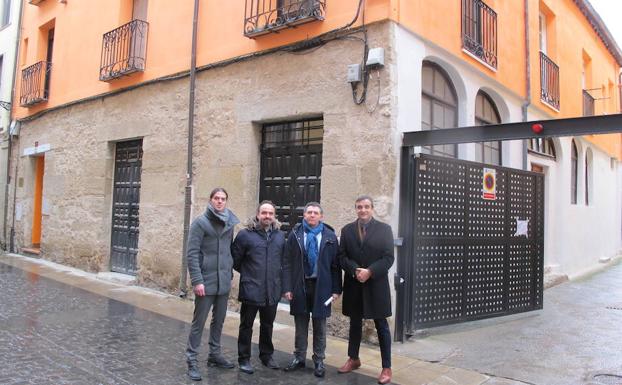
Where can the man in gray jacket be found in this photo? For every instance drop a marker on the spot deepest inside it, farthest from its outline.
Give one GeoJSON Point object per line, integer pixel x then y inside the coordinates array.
{"type": "Point", "coordinates": [210, 266]}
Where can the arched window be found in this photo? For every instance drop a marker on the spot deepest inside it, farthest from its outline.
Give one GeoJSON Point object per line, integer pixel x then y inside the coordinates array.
{"type": "Point", "coordinates": [588, 175]}
{"type": "Point", "coordinates": [486, 113]}
{"type": "Point", "coordinates": [542, 146]}
{"type": "Point", "coordinates": [574, 163]}
{"type": "Point", "coordinates": [439, 106]}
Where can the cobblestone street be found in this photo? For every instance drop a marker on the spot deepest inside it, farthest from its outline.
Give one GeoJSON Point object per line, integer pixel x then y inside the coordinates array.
{"type": "Point", "coordinates": [53, 333]}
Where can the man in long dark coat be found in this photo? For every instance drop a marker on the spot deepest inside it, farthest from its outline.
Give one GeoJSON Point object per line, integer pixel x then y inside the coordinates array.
{"type": "Point", "coordinates": [311, 281]}
{"type": "Point", "coordinates": [366, 255]}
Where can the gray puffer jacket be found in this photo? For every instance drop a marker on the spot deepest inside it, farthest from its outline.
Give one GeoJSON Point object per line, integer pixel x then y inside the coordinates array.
{"type": "Point", "coordinates": [209, 251]}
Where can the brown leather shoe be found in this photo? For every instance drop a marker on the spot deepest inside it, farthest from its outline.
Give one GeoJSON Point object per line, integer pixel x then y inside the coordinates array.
{"type": "Point", "coordinates": [385, 376]}
{"type": "Point", "coordinates": [350, 365]}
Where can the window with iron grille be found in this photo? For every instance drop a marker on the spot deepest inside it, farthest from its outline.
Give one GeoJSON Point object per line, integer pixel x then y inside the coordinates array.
{"type": "Point", "coordinates": [549, 81]}
{"type": "Point", "coordinates": [291, 167]}
{"type": "Point", "coordinates": [479, 31]}
{"type": "Point", "coordinates": [35, 84]}
{"type": "Point", "coordinates": [265, 16]}
{"type": "Point", "coordinates": [588, 104]}
{"type": "Point", "coordinates": [124, 50]}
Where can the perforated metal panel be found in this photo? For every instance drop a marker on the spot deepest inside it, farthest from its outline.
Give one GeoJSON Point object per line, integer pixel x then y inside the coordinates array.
{"type": "Point", "coordinates": [468, 259]}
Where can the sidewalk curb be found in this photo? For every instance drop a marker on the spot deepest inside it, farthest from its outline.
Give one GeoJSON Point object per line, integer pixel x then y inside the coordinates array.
{"type": "Point", "coordinates": [406, 370]}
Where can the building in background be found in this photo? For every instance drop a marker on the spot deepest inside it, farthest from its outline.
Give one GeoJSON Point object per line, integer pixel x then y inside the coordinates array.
{"type": "Point", "coordinates": [283, 112]}
{"type": "Point", "coordinates": [10, 11]}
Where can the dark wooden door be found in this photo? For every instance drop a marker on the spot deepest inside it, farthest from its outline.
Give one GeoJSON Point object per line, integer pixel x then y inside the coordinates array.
{"type": "Point", "coordinates": [291, 167]}
{"type": "Point", "coordinates": [125, 207]}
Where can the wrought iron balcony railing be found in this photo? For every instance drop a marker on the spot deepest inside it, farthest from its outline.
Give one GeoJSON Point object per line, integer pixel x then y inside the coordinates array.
{"type": "Point", "coordinates": [549, 81]}
{"type": "Point", "coordinates": [265, 16]}
{"type": "Point", "coordinates": [35, 84]}
{"type": "Point", "coordinates": [124, 50]}
{"type": "Point", "coordinates": [479, 31]}
{"type": "Point", "coordinates": [588, 104]}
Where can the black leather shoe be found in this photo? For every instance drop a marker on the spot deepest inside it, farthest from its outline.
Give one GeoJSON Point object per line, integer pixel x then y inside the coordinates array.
{"type": "Point", "coordinates": [246, 367]}
{"type": "Point", "coordinates": [320, 370]}
{"type": "Point", "coordinates": [295, 365]}
{"type": "Point", "coordinates": [220, 362]}
{"type": "Point", "coordinates": [193, 373]}
{"type": "Point", "coordinates": [270, 363]}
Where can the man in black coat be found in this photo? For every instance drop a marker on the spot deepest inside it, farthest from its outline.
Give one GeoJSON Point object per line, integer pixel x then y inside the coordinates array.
{"type": "Point", "coordinates": [311, 281]}
{"type": "Point", "coordinates": [258, 255]}
{"type": "Point", "coordinates": [366, 255]}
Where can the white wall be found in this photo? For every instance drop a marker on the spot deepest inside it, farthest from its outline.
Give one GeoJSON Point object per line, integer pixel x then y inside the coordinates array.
{"type": "Point", "coordinates": [582, 234]}
{"type": "Point", "coordinates": [576, 236]}
{"type": "Point", "coordinates": [412, 51]}
{"type": "Point", "coordinates": [8, 39]}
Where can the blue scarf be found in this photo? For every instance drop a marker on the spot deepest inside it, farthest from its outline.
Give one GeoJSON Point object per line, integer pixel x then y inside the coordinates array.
{"type": "Point", "coordinates": [311, 245]}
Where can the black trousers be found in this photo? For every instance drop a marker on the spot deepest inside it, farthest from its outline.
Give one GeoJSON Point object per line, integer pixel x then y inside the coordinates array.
{"type": "Point", "coordinates": [302, 328]}
{"type": "Point", "coordinates": [267, 314]}
{"type": "Point", "coordinates": [384, 339]}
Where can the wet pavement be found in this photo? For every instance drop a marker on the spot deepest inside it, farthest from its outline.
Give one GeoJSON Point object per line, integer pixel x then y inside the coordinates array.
{"type": "Point", "coordinates": [576, 339]}
{"type": "Point", "coordinates": [54, 333]}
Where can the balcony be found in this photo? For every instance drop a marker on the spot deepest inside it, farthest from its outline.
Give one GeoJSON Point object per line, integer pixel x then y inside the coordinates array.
{"type": "Point", "coordinates": [588, 104]}
{"type": "Point", "coordinates": [265, 16]}
{"type": "Point", "coordinates": [549, 81]}
{"type": "Point", "coordinates": [479, 31]}
{"type": "Point", "coordinates": [124, 50]}
{"type": "Point", "coordinates": [35, 84]}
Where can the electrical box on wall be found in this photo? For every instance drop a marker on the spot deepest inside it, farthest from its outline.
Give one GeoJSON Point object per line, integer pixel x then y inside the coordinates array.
{"type": "Point", "coordinates": [354, 73]}
{"type": "Point", "coordinates": [14, 128]}
{"type": "Point", "coordinates": [375, 57]}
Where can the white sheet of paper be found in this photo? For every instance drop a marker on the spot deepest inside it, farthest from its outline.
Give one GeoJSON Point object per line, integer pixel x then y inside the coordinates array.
{"type": "Point", "coordinates": [522, 227]}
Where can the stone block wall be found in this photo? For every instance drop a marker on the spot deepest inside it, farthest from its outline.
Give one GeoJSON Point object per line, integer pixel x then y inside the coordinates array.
{"type": "Point", "coordinates": [232, 102]}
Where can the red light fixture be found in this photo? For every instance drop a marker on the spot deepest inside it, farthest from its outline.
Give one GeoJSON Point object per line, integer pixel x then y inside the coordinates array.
{"type": "Point", "coordinates": [537, 128]}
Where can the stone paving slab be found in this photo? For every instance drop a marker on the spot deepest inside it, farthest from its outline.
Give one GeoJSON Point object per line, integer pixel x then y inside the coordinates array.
{"type": "Point", "coordinates": [577, 334]}
{"type": "Point", "coordinates": [57, 334]}
{"type": "Point", "coordinates": [64, 326]}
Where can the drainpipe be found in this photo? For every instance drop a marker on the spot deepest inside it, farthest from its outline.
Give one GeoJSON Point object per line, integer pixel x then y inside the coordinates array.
{"type": "Point", "coordinates": [8, 183]}
{"type": "Point", "coordinates": [188, 191]}
{"type": "Point", "coordinates": [525, 107]}
{"type": "Point", "coordinates": [10, 148]}
{"type": "Point", "coordinates": [620, 89]}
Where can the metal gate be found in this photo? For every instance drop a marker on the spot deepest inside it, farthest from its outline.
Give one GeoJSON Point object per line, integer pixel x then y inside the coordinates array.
{"type": "Point", "coordinates": [465, 257]}
{"type": "Point", "coordinates": [291, 167]}
{"type": "Point", "coordinates": [125, 206]}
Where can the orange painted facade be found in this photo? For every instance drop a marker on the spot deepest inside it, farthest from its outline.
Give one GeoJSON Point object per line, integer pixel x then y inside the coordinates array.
{"type": "Point", "coordinates": [440, 23]}
{"type": "Point", "coordinates": [79, 25]}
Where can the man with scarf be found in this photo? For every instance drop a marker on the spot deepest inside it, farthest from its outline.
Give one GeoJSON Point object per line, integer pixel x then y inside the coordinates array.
{"type": "Point", "coordinates": [210, 267]}
{"type": "Point", "coordinates": [311, 281]}
{"type": "Point", "coordinates": [258, 256]}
